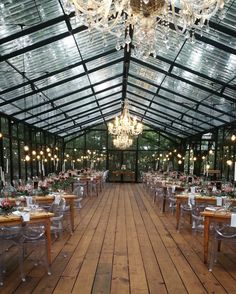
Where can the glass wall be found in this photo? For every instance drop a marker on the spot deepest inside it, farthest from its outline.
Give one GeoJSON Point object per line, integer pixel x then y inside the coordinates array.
{"type": "Point", "coordinates": [95, 149]}
{"type": "Point", "coordinates": [23, 151]}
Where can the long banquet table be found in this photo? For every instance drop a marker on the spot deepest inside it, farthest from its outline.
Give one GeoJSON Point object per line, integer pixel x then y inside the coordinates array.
{"type": "Point", "coordinates": [36, 217]}
{"type": "Point", "coordinates": [50, 198]}
{"type": "Point", "coordinates": [183, 199]}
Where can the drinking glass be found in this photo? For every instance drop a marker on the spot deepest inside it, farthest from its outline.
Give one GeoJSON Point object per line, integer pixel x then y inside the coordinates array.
{"type": "Point", "coordinates": [227, 202]}
{"type": "Point", "coordinates": [18, 202]}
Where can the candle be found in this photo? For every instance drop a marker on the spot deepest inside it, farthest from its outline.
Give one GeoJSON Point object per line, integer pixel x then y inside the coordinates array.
{"type": "Point", "coordinates": [3, 178]}
{"type": "Point", "coordinates": [1, 172]}
{"type": "Point", "coordinates": [7, 166]}
{"type": "Point", "coordinates": [43, 170]}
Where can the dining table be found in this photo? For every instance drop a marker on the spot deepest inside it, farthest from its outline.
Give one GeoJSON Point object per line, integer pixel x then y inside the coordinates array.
{"type": "Point", "coordinates": [199, 199]}
{"type": "Point", "coordinates": [48, 199]}
{"type": "Point", "coordinates": [35, 217]}
{"type": "Point", "coordinates": [218, 216]}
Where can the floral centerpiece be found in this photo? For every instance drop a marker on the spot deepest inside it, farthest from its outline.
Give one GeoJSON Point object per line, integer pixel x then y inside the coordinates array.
{"type": "Point", "coordinates": [61, 183]}
{"type": "Point", "coordinates": [6, 206]}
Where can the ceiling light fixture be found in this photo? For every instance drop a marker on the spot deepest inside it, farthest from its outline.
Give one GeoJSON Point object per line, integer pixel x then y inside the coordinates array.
{"type": "Point", "coordinates": [125, 124]}
{"type": "Point", "coordinates": [146, 23]}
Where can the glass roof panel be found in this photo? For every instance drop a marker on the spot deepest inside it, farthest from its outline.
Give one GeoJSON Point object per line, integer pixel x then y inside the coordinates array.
{"type": "Point", "coordinates": [104, 60]}
{"type": "Point", "coordinates": [228, 15]}
{"type": "Point", "coordinates": [142, 84]}
{"type": "Point", "coordinates": [9, 77]}
{"type": "Point", "coordinates": [26, 12]}
{"type": "Point", "coordinates": [208, 60]}
{"type": "Point", "coordinates": [141, 102]}
{"type": "Point", "coordinates": [79, 97]}
{"type": "Point", "coordinates": [184, 88]}
{"type": "Point", "coordinates": [109, 92]}
{"type": "Point", "coordinates": [80, 108]}
{"type": "Point", "coordinates": [65, 74]}
{"type": "Point", "coordinates": [48, 58]}
{"type": "Point", "coordinates": [65, 88]}
{"type": "Point", "coordinates": [196, 79]}
{"type": "Point", "coordinates": [110, 99]}
{"type": "Point", "coordinates": [112, 108]}
{"type": "Point", "coordinates": [146, 73]}
{"type": "Point", "coordinates": [30, 39]}
{"type": "Point", "coordinates": [140, 93]}
{"type": "Point", "coordinates": [107, 72]}
{"type": "Point", "coordinates": [107, 84]}
{"type": "Point", "coordinates": [94, 42]}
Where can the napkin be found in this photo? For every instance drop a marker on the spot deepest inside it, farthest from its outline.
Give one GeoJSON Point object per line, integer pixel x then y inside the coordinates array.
{"type": "Point", "coordinates": [28, 200]}
{"type": "Point", "coordinates": [193, 190]}
{"type": "Point", "coordinates": [57, 199]}
{"type": "Point", "coordinates": [191, 199]}
{"type": "Point", "coordinates": [24, 214]}
{"type": "Point", "coordinates": [233, 220]}
{"type": "Point", "coordinates": [219, 201]}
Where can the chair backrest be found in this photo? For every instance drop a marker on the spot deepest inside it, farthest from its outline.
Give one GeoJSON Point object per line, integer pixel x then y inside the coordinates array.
{"type": "Point", "coordinates": [78, 190]}
{"type": "Point", "coordinates": [58, 208]}
{"type": "Point", "coordinates": [33, 231]}
{"type": "Point", "coordinates": [105, 175]}
{"type": "Point", "coordinates": [225, 231]}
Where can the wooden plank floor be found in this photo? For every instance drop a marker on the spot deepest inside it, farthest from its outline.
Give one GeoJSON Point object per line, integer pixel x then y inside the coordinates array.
{"type": "Point", "coordinates": [123, 244]}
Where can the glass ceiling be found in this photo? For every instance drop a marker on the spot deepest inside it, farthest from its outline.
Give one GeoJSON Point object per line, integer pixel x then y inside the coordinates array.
{"type": "Point", "coordinates": [57, 76]}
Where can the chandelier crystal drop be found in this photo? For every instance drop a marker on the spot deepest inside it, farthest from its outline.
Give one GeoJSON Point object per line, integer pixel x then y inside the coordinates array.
{"type": "Point", "coordinates": [125, 125]}
{"type": "Point", "coordinates": [148, 24]}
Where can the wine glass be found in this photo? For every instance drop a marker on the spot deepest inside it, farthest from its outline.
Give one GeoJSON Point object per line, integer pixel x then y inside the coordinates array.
{"type": "Point", "coordinates": [34, 204]}
{"type": "Point", "coordinates": [18, 202]}
{"type": "Point", "coordinates": [227, 202]}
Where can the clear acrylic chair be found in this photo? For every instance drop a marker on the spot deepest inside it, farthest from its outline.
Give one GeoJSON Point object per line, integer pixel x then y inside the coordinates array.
{"type": "Point", "coordinates": [222, 232]}
{"type": "Point", "coordinates": [186, 209]}
{"type": "Point", "coordinates": [10, 236]}
{"type": "Point", "coordinates": [79, 192]}
{"type": "Point", "coordinates": [171, 199]}
{"type": "Point", "coordinates": [61, 215]}
{"type": "Point", "coordinates": [197, 219]}
{"type": "Point", "coordinates": [34, 238]}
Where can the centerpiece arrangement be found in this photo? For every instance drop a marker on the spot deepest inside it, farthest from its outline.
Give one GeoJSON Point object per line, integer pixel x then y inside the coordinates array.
{"type": "Point", "coordinates": [5, 206]}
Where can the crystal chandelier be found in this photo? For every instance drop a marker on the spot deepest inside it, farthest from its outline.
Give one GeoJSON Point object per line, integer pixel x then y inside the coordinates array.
{"type": "Point", "coordinates": [125, 125]}
{"type": "Point", "coordinates": [146, 23]}
{"type": "Point", "coordinates": [122, 141]}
